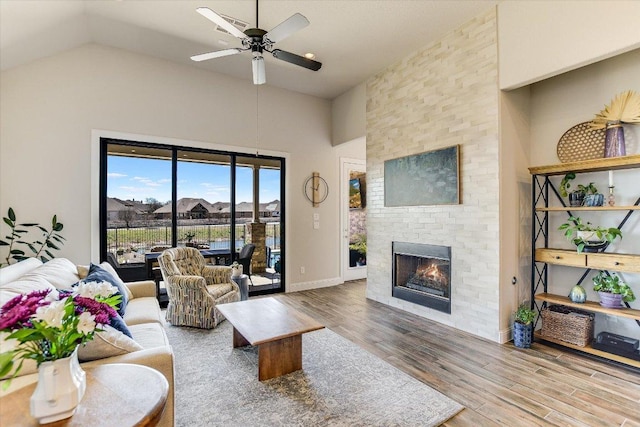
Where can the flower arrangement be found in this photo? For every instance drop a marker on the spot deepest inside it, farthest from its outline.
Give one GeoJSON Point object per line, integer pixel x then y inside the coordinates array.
{"type": "Point", "coordinates": [624, 108]}
{"type": "Point", "coordinates": [49, 325]}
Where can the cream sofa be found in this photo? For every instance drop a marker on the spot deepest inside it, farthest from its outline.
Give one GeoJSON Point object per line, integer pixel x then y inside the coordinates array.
{"type": "Point", "coordinates": [142, 316]}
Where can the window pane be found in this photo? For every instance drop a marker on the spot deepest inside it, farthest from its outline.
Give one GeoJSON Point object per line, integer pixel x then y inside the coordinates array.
{"type": "Point", "coordinates": [138, 202]}
{"type": "Point", "coordinates": [204, 200]}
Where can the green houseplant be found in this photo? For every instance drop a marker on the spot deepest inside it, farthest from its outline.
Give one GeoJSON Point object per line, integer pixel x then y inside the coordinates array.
{"type": "Point", "coordinates": [586, 236]}
{"type": "Point", "coordinates": [612, 290]}
{"type": "Point", "coordinates": [359, 245]}
{"type": "Point", "coordinates": [41, 247]}
{"type": "Point", "coordinates": [577, 196]}
{"type": "Point", "coordinates": [523, 326]}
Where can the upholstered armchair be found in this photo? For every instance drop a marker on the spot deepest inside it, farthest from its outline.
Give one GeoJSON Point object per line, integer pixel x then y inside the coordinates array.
{"type": "Point", "coordinates": [195, 288]}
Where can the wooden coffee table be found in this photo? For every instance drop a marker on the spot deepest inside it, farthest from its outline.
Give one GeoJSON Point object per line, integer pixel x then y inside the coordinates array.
{"type": "Point", "coordinates": [275, 328]}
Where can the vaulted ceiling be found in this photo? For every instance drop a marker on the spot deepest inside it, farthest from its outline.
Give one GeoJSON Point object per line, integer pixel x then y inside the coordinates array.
{"type": "Point", "coordinates": [354, 39]}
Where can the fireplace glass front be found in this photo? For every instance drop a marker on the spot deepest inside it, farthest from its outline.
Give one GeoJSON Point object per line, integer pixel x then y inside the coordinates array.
{"type": "Point", "coordinates": [422, 274]}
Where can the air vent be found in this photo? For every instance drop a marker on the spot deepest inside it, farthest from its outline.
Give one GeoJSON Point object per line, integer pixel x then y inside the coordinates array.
{"type": "Point", "coordinates": [241, 25]}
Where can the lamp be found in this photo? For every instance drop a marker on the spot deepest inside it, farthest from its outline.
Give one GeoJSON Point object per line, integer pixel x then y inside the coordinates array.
{"type": "Point", "coordinates": [257, 63]}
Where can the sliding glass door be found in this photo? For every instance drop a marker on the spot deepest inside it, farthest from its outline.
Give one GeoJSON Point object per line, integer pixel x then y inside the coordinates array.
{"type": "Point", "coordinates": [154, 197]}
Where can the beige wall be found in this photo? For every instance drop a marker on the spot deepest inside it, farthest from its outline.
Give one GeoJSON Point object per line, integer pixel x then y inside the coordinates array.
{"type": "Point", "coordinates": [443, 95]}
{"type": "Point", "coordinates": [348, 115]}
{"type": "Point", "coordinates": [559, 103]}
{"type": "Point", "coordinates": [52, 108]}
{"type": "Point", "coordinates": [515, 205]}
{"type": "Point", "coordinates": [541, 39]}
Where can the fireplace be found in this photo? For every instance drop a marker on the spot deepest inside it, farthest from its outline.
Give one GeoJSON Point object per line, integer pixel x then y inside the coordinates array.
{"type": "Point", "coordinates": [422, 274]}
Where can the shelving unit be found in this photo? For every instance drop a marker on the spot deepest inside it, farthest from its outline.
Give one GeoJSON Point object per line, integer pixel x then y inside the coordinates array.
{"type": "Point", "coordinates": [542, 190]}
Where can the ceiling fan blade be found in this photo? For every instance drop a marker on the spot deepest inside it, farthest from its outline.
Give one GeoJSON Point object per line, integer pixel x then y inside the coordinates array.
{"type": "Point", "coordinates": [287, 27]}
{"type": "Point", "coordinates": [216, 54]}
{"type": "Point", "coordinates": [220, 21]}
{"type": "Point", "coordinates": [297, 59]}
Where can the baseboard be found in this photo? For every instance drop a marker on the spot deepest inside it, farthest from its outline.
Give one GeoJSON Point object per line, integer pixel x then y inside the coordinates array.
{"type": "Point", "coordinates": [506, 335]}
{"type": "Point", "coordinates": [316, 284]}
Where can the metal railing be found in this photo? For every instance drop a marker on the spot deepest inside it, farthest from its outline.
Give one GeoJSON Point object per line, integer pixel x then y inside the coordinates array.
{"type": "Point", "coordinates": [130, 244]}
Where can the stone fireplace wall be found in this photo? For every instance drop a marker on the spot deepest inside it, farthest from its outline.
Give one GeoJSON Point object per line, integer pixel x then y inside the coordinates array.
{"type": "Point", "coordinates": [443, 95]}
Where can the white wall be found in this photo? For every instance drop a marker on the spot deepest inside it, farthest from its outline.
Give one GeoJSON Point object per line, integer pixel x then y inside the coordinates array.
{"type": "Point", "coordinates": [541, 39]}
{"type": "Point", "coordinates": [49, 108]}
{"type": "Point", "coordinates": [559, 103]}
{"type": "Point", "coordinates": [348, 115]}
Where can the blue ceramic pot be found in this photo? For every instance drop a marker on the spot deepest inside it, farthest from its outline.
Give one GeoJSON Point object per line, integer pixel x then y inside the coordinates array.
{"type": "Point", "coordinates": [522, 335]}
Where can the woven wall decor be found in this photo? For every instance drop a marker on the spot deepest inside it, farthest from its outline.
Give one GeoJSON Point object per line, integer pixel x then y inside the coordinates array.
{"type": "Point", "coordinates": [581, 143]}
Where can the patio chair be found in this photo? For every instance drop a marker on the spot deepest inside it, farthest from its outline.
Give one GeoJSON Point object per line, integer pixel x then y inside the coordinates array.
{"type": "Point", "coordinates": [195, 288]}
{"type": "Point", "coordinates": [244, 258]}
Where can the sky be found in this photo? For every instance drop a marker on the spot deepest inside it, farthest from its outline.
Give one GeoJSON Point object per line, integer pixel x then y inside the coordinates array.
{"type": "Point", "coordinates": [137, 178]}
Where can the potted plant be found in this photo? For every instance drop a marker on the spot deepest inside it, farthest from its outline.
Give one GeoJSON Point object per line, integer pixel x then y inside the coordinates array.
{"type": "Point", "coordinates": [523, 326]}
{"type": "Point", "coordinates": [612, 290]}
{"type": "Point", "coordinates": [358, 249]}
{"type": "Point", "coordinates": [587, 237]}
{"type": "Point", "coordinates": [591, 195]}
{"type": "Point", "coordinates": [583, 194]}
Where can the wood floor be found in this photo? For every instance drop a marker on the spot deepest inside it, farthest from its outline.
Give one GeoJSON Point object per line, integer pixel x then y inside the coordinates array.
{"type": "Point", "coordinates": [499, 385]}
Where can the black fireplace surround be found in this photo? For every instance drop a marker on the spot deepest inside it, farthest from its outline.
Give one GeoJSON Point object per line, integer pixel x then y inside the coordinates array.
{"type": "Point", "coordinates": [422, 274]}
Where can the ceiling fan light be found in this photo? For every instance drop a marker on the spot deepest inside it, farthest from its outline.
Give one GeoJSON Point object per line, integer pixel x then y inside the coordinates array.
{"type": "Point", "coordinates": [259, 75]}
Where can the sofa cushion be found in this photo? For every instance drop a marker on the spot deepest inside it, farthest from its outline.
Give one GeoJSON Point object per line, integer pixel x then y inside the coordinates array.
{"type": "Point", "coordinates": [150, 335]}
{"type": "Point", "coordinates": [99, 274]}
{"type": "Point", "coordinates": [118, 323]}
{"type": "Point", "coordinates": [110, 342]}
{"type": "Point", "coordinates": [142, 310]}
{"type": "Point", "coordinates": [14, 271]}
{"type": "Point", "coordinates": [18, 287]}
{"type": "Point", "coordinates": [60, 272]}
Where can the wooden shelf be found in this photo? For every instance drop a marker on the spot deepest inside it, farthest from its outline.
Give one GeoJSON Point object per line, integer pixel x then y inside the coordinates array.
{"type": "Point", "coordinates": [590, 350]}
{"type": "Point", "coordinates": [595, 165]}
{"type": "Point", "coordinates": [588, 208]}
{"type": "Point", "coordinates": [593, 306]}
{"type": "Point", "coordinates": [629, 263]}
{"type": "Point", "coordinates": [608, 261]}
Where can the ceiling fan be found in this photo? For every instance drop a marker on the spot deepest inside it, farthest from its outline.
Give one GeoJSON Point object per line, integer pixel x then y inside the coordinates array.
{"type": "Point", "coordinates": [258, 41]}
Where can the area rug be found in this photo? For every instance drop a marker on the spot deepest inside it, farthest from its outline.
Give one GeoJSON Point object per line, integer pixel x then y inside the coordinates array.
{"type": "Point", "coordinates": [340, 385]}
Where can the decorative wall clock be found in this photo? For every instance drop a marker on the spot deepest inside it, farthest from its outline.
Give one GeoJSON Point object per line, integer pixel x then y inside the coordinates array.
{"type": "Point", "coordinates": [316, 189]}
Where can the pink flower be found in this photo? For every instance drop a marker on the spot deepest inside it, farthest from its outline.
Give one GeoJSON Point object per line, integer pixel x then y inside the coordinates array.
{"type": "Point", "coordinates": [19, 310]}
{"type": "Point", "coordinates": [103, 312]}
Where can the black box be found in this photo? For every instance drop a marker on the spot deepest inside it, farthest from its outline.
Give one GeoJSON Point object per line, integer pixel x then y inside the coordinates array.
{"type": "Point", "coordinates": [617, 344]}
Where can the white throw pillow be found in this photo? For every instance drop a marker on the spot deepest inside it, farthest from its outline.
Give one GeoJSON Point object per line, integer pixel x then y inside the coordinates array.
{"type": "Point", "coordinates": [110, 342]}
{"type": "Point", "coordinates": [60, 272]}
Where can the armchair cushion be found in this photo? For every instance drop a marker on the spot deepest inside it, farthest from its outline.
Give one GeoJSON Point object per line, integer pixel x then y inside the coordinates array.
{"type": "Point", "coordinates": [218, 290]}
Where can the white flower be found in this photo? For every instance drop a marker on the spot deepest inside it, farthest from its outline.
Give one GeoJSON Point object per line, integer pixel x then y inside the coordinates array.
{"type": "Point", "coordinates": [52, 296]}
{"type": "Point", "coordinates": [86, 323]}
{"type": "Point", "coordinates": [95, 289]}
{"type": "Point", "coordinates": [51, 314]}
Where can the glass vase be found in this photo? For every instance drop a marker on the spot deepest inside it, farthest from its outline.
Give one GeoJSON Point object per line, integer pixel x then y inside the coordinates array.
{"type": "Point", "coordinates": [614, 141]}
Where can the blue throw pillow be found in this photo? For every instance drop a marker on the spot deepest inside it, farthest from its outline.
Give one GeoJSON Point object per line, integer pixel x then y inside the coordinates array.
{"type": "Point", "coordinates": [99, 274]}
{"type": "Point", "coordinates": [118, 323]}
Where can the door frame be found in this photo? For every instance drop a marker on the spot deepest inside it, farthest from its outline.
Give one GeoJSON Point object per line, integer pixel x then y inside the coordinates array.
{"type": "Point", "coordinates": [347, 165]}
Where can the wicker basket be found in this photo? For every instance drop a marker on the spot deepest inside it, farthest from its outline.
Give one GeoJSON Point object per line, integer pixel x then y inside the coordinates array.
{"type": "Point", "coordinates": [567, 324]}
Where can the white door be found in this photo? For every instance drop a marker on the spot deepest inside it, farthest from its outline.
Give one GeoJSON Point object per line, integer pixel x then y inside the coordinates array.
{"type": "Point", "coordinates": [353, 218]}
